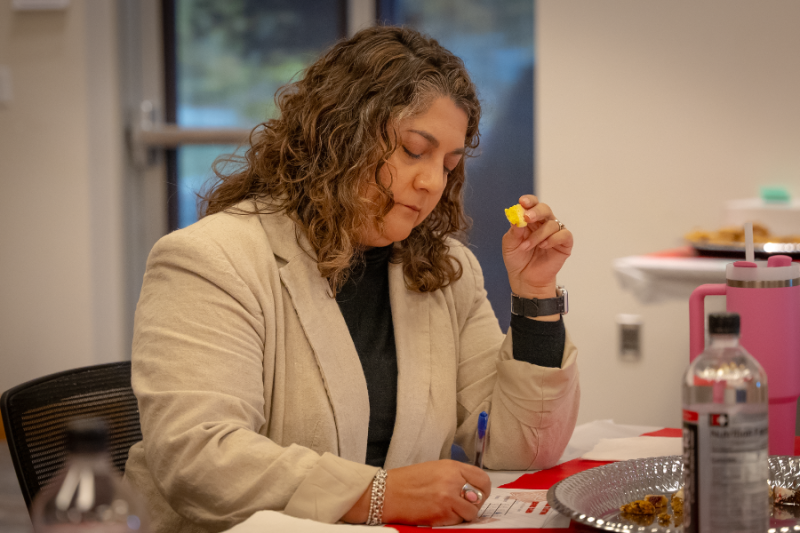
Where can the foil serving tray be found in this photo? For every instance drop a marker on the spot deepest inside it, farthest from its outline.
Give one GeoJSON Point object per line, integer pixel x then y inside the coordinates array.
{"type": "Point", "coordinates": [593, 497]}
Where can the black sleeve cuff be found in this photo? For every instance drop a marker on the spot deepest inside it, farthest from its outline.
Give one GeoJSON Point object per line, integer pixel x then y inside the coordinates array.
{"type": "Point", "coordinates": [537, 342]}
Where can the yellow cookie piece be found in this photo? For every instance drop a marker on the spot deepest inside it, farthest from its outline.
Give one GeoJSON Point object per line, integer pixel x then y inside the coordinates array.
{"type": "Point", "coordinates": [516, 215]}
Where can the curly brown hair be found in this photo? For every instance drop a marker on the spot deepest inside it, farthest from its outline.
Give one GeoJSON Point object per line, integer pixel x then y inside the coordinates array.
{"type": "Point", "coordinates": [336, 130]}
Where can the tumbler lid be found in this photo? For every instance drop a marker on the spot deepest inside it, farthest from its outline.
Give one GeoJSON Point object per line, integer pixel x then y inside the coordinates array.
{"type": "Point", "coordinates": [762, 274]}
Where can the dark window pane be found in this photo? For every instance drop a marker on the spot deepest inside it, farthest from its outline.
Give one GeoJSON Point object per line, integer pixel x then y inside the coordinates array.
{"type": "Point", "coordinates": [495, 40]}
{"type": "Point", "coordinates": [232, 55]}
{"type": "Point", "coordinates": [195, 164]}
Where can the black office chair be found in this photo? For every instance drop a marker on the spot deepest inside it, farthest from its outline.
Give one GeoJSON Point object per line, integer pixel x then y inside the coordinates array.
{"type": "Point", "coordinates": [36, 413]}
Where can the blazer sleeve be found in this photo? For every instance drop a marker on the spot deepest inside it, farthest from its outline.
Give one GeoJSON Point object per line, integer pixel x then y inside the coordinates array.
{"type": "Point", "coordinates": [198, 372]}
{"type": "Point", "coordinates": [532, 409]}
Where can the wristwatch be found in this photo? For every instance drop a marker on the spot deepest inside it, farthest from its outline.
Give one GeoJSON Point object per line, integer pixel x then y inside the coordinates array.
{"type": "Point", "coordinates": [533, 307]}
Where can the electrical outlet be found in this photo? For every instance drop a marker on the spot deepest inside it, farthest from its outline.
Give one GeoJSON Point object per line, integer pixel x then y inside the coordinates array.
{"type": "Point", "coordinates": [630, 337]}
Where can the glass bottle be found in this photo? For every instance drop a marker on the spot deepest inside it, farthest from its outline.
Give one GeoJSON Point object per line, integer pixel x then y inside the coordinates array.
{"type": "Point", "coordinates": [725, 436]}
{"type": "Point", "coordinates": [88, 494]}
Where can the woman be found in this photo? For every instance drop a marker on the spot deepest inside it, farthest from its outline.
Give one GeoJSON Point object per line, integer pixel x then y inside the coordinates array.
{"type": "Point", "coordinates": [320, 323]}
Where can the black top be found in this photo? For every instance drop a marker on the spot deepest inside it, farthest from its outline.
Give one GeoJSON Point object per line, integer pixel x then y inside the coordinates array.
{"type": "Point", "coordinates": [364, 303]}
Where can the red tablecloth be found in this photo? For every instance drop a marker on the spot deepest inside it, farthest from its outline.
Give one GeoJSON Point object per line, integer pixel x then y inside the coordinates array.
{"type": "Point", "coordinates": [544, 479]}
{"type": "Point", "coordinates": [683, 251]}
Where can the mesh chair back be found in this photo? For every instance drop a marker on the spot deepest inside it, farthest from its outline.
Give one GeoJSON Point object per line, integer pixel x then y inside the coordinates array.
{"type": "Point", "coordinates": [35, 416]}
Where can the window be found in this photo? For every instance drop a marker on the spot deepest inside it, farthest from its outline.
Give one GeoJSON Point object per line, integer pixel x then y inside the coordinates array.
{"type": "Point", "coordinates": [495, 38]}
{"type": "Point", "coordinates": [230, 57]}
{"type": "Point", "coordinates": [224, 59]}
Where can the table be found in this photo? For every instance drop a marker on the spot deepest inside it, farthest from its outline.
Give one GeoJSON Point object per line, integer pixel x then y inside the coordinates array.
{"type": "Point", "coordinates": [670, 274]}
{"type": "Point", "coordinates": [584, 439]}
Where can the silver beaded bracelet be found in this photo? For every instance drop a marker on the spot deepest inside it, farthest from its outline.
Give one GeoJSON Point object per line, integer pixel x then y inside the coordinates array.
{"type": "Point", "coordinates": [376, 500]}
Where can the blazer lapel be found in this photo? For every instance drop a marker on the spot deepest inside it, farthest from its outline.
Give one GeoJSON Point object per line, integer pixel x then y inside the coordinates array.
{"type": "Point", "coordinates": [327, 334]}
{"type": "Point", "coordinates": [411, 317]}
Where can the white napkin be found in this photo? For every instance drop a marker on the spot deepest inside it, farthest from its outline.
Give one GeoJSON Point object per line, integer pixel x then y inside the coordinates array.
{"type": "Point", "coordinates": [634, 448]}
{"type": "Point", "coordinates": [274, 521]}
{"type": "Point", "coordinates": [587, 435]}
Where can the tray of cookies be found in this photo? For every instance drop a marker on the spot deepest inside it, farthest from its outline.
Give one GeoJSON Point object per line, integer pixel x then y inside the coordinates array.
{"type": "Point", "coordinates": [729, 242]}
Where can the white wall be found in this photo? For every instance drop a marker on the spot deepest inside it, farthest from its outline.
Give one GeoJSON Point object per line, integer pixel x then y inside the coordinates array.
{"type": "Point", "coordinates": [61, 159]}
{"type": "Point", "coordinates": [649, 116]}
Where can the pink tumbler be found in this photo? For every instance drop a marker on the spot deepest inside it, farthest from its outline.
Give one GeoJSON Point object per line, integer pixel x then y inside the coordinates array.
{"type": "Point", "coordinates": [766, 295]}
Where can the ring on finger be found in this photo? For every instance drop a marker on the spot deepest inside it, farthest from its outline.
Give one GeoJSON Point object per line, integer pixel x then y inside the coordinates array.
{"type": "Point", "coordinates": [471, 494]}
{"type": "Point", "coordinates": [560, 225]}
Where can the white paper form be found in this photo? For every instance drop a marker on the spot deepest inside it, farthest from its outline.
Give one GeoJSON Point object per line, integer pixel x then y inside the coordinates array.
{"type": "Point", "coordinates": [516, 509]}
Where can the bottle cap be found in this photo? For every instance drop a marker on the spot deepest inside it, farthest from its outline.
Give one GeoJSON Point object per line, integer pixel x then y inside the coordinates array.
{"type": "Point", "coordinates": [723, 323]}
{"type": "Point", "coordinates": [87, 435]}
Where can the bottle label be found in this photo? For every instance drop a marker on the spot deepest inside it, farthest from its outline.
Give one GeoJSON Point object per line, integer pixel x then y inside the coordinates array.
{"type": "Point", "coordinates": [725, 470]}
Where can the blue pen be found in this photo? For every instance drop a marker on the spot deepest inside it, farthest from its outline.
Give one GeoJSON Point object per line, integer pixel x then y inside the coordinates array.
{"type": "Point", "coordinates": [480, 440]}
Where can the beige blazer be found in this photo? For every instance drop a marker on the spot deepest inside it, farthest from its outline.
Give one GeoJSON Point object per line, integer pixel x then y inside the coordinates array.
{"type": "Point", "coordinates": [252, 396]}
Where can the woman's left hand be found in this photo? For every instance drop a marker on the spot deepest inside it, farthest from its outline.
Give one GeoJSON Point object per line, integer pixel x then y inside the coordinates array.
{"type": "Point", "coordinates": [535, 253]}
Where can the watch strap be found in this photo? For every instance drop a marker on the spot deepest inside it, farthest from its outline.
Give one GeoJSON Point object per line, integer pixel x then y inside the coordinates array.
{"type": "Point", "coordinates": [533, 307]}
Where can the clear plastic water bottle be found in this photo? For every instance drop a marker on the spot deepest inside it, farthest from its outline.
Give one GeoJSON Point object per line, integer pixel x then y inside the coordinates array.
{"type": "Point", "coordinates": [88, 494]}
{"type": "Point", "coordinates": [725, 436]}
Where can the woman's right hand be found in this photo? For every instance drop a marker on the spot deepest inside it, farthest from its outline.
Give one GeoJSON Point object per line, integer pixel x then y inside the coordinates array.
{"type": "Point", "coordinates": [429, 494]}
